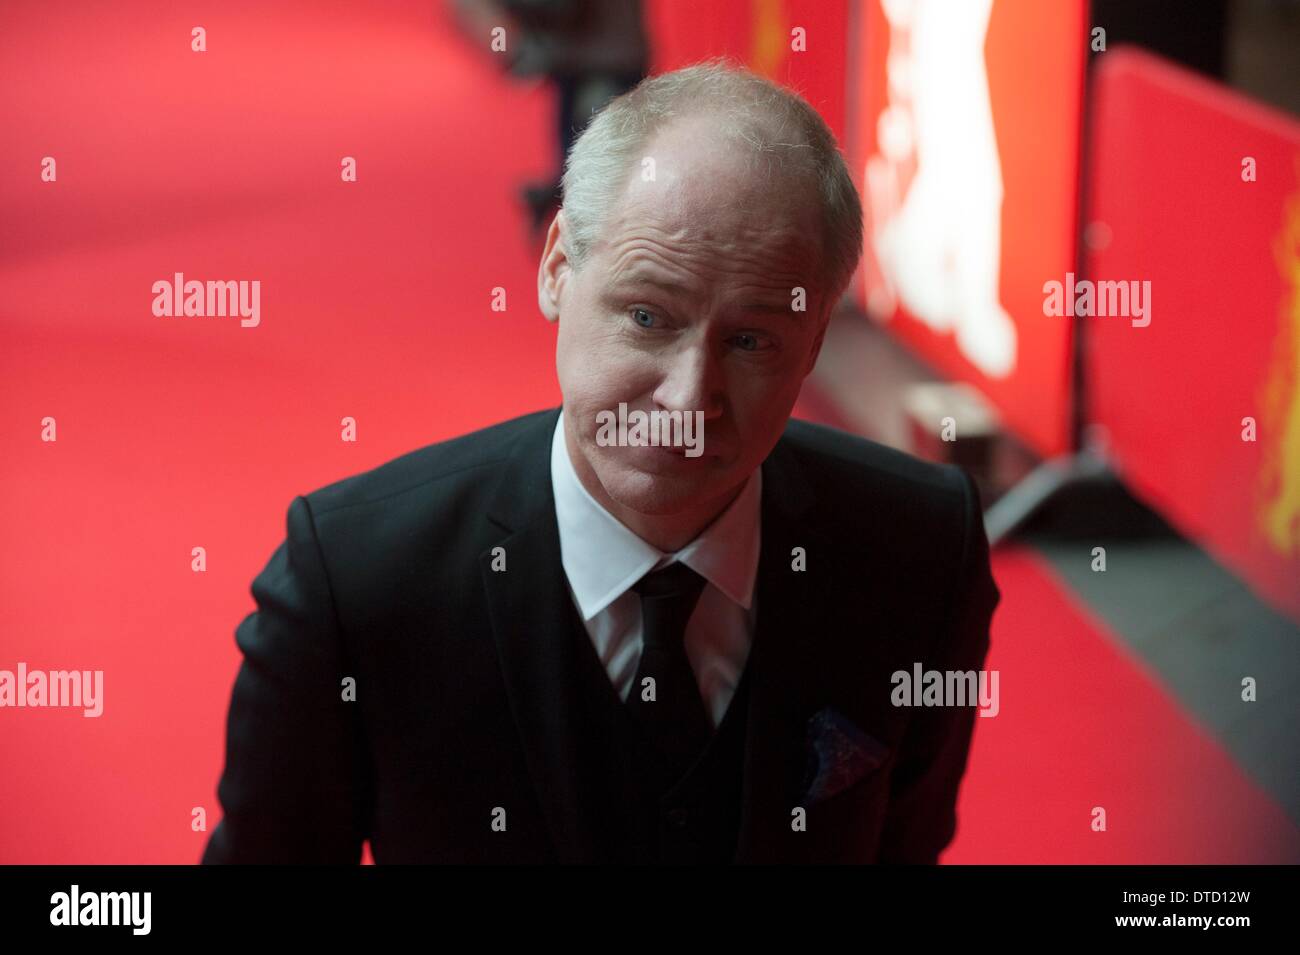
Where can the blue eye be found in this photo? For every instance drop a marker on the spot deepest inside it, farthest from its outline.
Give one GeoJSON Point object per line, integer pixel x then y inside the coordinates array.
{"type": "Point", "coordinates": [760, 343]}
{"type": "Point", "coordinates": [641, 311]}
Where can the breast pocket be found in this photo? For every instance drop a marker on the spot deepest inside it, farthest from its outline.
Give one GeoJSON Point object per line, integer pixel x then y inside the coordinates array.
{"type": "Point", "coordinates": [844, 828]}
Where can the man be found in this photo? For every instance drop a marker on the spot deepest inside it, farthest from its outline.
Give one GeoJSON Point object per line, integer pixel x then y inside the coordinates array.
{"type": "Point", "coordinates": [528, 644]}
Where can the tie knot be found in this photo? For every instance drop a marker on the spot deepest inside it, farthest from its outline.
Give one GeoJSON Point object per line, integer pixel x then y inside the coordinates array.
{"type": "Point", "coordinates": [676, 581]}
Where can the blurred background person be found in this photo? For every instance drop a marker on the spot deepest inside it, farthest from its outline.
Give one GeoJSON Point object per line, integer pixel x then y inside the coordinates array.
{"type": "Point", "coordinates": [592, 50]}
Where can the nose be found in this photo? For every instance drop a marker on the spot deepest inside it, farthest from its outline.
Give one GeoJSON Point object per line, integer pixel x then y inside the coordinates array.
{"type": "Point", "coordinates": [692, 381]}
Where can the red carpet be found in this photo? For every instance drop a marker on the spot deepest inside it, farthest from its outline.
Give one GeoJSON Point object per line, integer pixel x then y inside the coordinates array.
{"type": "Point", "coordinates": [1083, 725]}
{"type": "Point", "coordinates": [183, 432]}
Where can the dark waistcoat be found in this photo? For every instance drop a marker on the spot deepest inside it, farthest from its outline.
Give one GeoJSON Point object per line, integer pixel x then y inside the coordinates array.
{"type": "Point", "coordinates": [647, 816]}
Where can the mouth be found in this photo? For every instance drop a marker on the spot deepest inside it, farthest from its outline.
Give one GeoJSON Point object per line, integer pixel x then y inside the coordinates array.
{"type": "Point", "coordinates": [664, 454]}
{"type": "Point", "coordinates": [681, 451]}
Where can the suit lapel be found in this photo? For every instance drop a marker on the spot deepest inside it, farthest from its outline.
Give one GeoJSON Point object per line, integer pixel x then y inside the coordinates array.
{"type": "Point", "coordinates": [532, 614]}
{"type": "Point", "coordinates": [792, 629]}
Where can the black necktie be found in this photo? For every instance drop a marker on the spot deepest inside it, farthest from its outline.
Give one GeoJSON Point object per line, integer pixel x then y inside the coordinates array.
{"type": "Point", "coordinates": [676, 719]}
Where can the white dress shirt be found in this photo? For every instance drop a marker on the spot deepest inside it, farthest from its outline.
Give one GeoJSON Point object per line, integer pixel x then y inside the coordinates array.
{"type": "Point", "coordinates": [603, 559]}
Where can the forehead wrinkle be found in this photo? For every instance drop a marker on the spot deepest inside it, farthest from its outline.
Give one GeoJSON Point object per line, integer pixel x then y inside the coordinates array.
{"type": "Point", "coordinates": [633, 265]}
{"type": "Point", "coordinates": [734, 255]}
{"type": "Point", "coordinates": [645, 261]}
{"type": "Point", "coordinates": [664, 239]}
{"type": "Point", "coordinates": [692, 211]}
{"type": "Point", "coordinates": [641, 252]}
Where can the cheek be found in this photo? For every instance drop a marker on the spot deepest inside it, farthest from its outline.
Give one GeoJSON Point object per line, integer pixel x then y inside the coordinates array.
{"type": "Point", "coordinates": [599, 361]}
{"type": "Point", "coordinates": [758, 394]}
{"type": "Point", "coordinates": [760, 416]}
{"type": "Point", "coordinates": [590, 379]}
{"type": "Point", "coordinates": [574, 349]}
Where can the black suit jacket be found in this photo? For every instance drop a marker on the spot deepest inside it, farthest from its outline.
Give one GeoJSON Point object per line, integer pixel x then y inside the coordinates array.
{"type": "Point", "coordinates": [463, 708]}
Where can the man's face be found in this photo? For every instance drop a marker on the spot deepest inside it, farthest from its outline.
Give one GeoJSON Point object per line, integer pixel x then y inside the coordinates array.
{"type": "Point", "coordinates": [687, 303]}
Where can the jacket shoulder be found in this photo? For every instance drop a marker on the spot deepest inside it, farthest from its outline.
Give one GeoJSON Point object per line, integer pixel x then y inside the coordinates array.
{"type": "Point", "coordinates": [833, 457]}
{"type": "Point", "coordinates": [484, 448]}
{"type": "Point", "coordinates": [876, 500]}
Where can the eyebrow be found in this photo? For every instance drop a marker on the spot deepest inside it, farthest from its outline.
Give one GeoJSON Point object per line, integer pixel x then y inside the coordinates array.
{"type": "Point", "coordinates": [645, 281]}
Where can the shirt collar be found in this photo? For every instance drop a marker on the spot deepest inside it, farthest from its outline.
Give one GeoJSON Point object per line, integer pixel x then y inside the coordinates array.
{"type": "Point", "coordinates": [603, 558]}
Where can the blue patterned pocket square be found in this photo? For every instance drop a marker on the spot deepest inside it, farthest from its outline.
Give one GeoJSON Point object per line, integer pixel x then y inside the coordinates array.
{"type": "Point", "coordinates": [839, 754]}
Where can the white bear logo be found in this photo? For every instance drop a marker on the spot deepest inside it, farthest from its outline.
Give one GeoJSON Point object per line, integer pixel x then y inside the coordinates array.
{"type": "Point", "coordinates": [935, 184]}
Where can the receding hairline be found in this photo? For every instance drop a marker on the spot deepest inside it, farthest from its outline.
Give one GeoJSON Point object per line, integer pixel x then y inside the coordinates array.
{"type": "Point", "coordinates": [772, 130]}
{"type": "Point", "coordinates": [723, 135]}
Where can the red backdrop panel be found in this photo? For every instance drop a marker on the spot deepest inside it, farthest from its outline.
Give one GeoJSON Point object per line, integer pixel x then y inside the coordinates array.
{"type": "Point", "coordinates": [1173, 206]}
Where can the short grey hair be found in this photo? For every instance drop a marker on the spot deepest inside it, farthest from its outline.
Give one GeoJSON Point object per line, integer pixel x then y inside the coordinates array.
{"type": "Point", "coordinates": [753, 112]}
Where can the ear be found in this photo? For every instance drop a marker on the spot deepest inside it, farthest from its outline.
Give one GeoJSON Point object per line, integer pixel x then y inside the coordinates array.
{"type": "Point", "coordinates": [553, 270]}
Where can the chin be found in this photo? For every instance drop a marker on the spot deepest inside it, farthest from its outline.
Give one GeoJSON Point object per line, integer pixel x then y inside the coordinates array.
{"type": "Point", "coordinates": [652, 494]}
